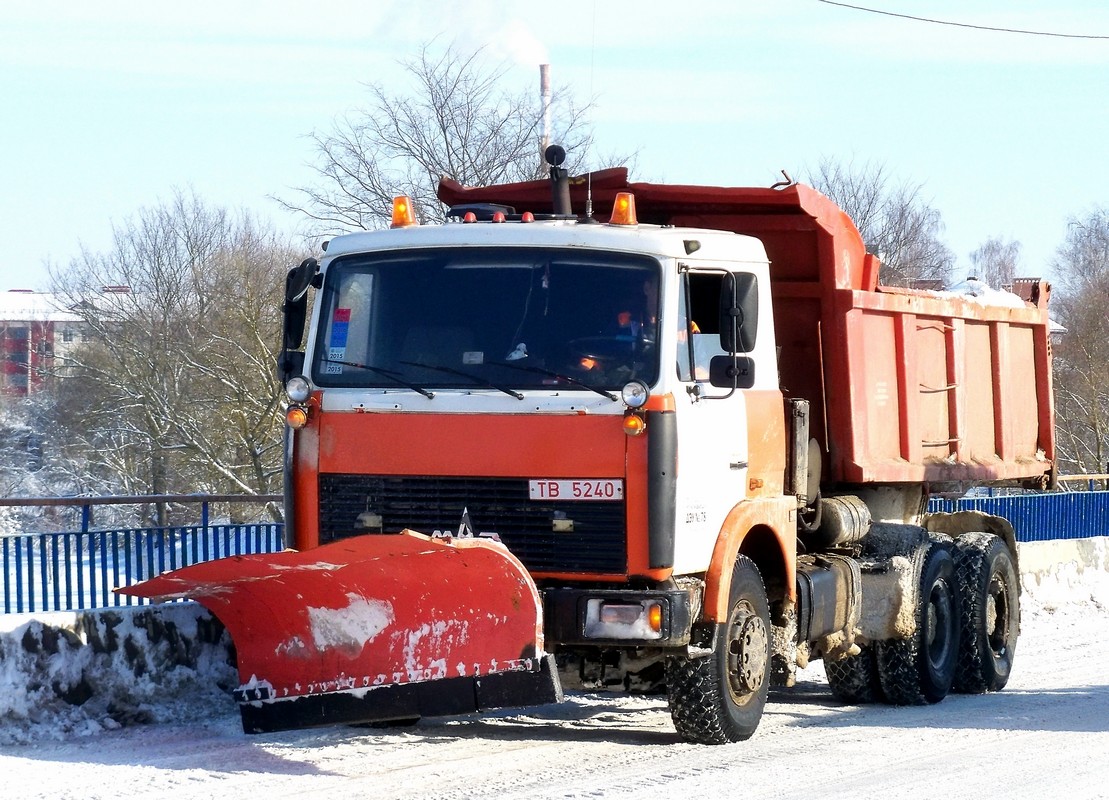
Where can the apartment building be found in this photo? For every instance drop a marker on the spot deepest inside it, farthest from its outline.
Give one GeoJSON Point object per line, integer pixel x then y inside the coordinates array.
{"type": "Point", "coordinates": [36, 330]}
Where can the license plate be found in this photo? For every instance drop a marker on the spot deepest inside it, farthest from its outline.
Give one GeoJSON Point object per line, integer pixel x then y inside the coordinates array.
{"type": "Point", "coordinates": [580, 489]}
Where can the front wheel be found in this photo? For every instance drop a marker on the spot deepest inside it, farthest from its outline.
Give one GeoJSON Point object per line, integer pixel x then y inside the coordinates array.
{"type": "Point", "coordinates": [719, 698]}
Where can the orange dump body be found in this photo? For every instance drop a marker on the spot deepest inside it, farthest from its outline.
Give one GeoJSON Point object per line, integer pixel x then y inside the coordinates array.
{"type": "Point", "coordinates": [905, 386]}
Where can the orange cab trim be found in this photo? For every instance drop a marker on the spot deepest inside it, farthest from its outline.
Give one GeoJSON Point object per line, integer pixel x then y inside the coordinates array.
{"type": "Point", "coordinates": [492, 445]}
{"type": "Point", "coordinates": [778, 516]}
{"type": "Point", "coordinates": [660, 402]}
{"type": "Point", "coordinates": [306, 503]}
{"type": "Point", "coordinates": [766, 443]}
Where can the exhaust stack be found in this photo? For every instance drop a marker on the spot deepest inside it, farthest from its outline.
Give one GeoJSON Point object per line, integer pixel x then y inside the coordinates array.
{"type": "Point", "coordinates": [560, 180]}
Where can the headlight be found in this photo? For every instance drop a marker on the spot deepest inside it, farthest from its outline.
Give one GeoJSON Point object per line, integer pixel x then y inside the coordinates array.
{"type": "Point", "coordinates": [634, 394]}
{"type": "Point", "coordinates": [298, 389]}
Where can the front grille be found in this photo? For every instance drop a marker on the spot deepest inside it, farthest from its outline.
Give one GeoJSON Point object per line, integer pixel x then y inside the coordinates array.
{"type": "Point", "coordinates": [500, 505]}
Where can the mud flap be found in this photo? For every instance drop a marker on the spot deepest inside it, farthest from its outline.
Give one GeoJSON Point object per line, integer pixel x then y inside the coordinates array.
{"type": "Point", "coordinates": [374, 628]}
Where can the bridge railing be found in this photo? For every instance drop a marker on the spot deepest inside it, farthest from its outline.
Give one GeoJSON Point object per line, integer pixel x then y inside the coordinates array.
{"type": "Point", "coordinates": [1042, 516]}
{"type": "Point", "coordinates": [78, 569]}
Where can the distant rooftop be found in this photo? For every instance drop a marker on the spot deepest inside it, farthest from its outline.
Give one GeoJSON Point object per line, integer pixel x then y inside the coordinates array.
{"type": "Point", "coordinates": [19, 305]}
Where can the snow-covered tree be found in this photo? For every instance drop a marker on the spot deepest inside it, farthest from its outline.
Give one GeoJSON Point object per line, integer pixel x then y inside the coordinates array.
{"type": "Point", "coordinates": [176, 390]}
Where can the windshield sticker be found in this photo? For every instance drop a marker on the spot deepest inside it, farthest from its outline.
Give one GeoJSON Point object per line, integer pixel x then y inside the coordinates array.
{"type": "Point", "coordinates": [335, 355]}
{"type": "Point", "coordinates": [340, 326]}
{"type": "Point", "coordinates": [337, 349]}
{"type": "Point", "coordinates": [473, 357]}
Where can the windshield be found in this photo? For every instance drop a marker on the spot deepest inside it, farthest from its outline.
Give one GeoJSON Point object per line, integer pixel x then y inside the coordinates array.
{"type": "Point", "coordinates": [489, 318]}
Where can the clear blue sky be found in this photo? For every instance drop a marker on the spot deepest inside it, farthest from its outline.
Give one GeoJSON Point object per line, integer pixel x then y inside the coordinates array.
{"type": "Point", "coordinates": [110, 106]}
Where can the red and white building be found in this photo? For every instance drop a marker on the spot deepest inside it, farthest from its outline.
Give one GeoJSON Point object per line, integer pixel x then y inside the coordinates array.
{"type": "Point", "coordinates": [36, 330]}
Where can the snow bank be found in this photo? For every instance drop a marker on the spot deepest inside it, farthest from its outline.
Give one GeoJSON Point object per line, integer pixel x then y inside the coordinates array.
{"type": "Point", "coordinates": [65, 675]}
{"type": "Point", "coordinates": [76, 674]}
{"type": "Point", "coordinates": [1063, 573]}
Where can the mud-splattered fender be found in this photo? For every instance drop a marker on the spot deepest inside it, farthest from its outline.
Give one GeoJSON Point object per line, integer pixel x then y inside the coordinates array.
{"type": "Point", "coordinates": [763, 529]}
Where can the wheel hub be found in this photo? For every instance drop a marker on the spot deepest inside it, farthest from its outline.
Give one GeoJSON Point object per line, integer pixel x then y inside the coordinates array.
{"type": "Point", "coordinates": [747, 653]}
{"type": "Point", "coordinates": [937, 624]}
{"type": "Point", "coordinates": [997, 616]}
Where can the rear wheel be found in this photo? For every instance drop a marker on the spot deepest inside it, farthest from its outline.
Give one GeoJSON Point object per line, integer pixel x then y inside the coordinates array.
{"type": "Point", "coordinates": [988, 584]}
{"type": "Point", "coordinates": [719, 698]}
{"type": "Point", "coordinates": [921, 669]}
{"type": "Point", "coordinates": [854, 679]}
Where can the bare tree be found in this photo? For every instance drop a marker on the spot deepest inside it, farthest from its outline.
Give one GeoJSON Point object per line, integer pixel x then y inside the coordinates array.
{"type": "Point", "coordinates": [996, 262]}
{"type": "Point", "coordinates": [1082, 355]}
{"type": "Point", "coordinates": [176, 391]}
{"type": "Point", "coordinates": [459, 118]}
{"type": "Point", "coordinates": [896, 223]}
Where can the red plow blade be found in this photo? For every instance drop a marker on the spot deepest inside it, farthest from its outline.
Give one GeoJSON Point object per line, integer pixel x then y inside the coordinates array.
{"type": "Point", "coordinates": [374, 628]}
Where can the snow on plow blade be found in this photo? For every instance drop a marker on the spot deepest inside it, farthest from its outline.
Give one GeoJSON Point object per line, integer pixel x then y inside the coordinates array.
{"type": "Point", "coordinates": [374, 628]}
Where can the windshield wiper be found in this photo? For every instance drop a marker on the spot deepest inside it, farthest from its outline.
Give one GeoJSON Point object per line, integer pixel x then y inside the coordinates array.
{"type": "Point", "coordinates": [388, 373]}
{"type": "Point", "coordinates": [475, 378]}
{"type": "Point", "coordinates": [552, 374]}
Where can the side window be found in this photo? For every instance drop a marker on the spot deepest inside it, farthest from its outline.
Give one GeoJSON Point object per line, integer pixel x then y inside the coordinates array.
{"type": "Point", "coordinates": [698, 324]}
{"type": "Point", "coordinates": [684, 373]}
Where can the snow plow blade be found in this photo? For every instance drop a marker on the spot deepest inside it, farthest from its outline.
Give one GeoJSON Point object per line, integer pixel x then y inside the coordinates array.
{"type": "Point", "coordinates": [374, 629]}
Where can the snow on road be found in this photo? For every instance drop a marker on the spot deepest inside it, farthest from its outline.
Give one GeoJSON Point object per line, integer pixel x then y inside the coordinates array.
{"type": "Point", "coordinates": [1047, 734]}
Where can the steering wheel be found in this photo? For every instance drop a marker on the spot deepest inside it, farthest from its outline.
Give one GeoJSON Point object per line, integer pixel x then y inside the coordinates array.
{"type": "Point", "coordinates": [604, 348]}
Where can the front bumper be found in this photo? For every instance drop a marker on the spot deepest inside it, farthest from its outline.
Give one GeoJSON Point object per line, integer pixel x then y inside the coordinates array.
{"type": "Point", "coordinates": [570, 617]}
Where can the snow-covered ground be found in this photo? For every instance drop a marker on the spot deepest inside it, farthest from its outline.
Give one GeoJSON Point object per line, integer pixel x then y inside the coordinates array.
{"type": "Point", "coordinates": [1046, 735]}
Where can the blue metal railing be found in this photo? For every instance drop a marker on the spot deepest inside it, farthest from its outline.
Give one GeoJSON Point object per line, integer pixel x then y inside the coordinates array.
{"type": "Point", "coordinates": [70, 571]}
{"type": "Point", "coordinates": [1041, 517]}
{"type": "Point", "coordinates": [75, 570]}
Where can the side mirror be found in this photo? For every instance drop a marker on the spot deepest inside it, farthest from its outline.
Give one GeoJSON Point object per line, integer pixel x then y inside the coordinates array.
{"type": "Point", "coordinates": [732, 372]}
{"type": "Point", "coordinates": [294, 312]}
{"type": "Point", "coordinates": [739, 312]}
{"type": "Point", "coordinates": [295, 308]}
{"type": "Point", "coordinates": [290, 363]}
{"type": "Point", "coordinates": [299, 279]}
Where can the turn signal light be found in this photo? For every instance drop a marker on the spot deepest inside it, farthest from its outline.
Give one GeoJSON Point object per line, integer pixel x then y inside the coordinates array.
{"type": "Point", "coordinates": [654, 617]}
{"type": "Point", "coordinates": [634, 425]}
{"type": "Point", "coordinates": [296, 417]}
{"type": "Point", "coordinates": [404, 216]}
{"type": "Point", "coordinates": [623, 210]}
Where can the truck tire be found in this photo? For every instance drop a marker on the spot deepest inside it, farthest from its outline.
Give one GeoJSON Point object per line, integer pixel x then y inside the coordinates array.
{"type": "Point", "coordinates": [921, 669]}
{"type": "Point", "coordinates": [854, 680]}
{"type": "Point", "coordinates": [990, 612]}
{"type": "Point", "coordinates": [719, 698]}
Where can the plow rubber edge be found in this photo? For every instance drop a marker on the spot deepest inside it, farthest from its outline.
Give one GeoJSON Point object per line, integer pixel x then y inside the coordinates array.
{"type": "Point", "coordinates": [405, 701]}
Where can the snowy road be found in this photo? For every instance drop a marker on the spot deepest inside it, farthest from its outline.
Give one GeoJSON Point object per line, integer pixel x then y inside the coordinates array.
{"type": "Point", "coordinates": [1046, 735]}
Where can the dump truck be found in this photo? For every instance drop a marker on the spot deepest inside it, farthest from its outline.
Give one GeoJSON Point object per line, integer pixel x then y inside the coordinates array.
{"type": "Point", "coordinates": [682, 444]}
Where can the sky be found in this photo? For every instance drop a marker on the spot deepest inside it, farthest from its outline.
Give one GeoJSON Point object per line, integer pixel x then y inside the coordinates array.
{"type": "Point", "coordinates": [111, 107]}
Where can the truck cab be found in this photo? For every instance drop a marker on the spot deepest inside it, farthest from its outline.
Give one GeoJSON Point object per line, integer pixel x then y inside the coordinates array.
{"type": "Point", "coordinates": [701, 436]}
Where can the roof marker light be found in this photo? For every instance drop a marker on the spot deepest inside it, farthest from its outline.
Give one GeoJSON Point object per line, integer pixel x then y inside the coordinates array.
{"type": "Point", "coordinates": [498, 216]}
{"type": "Point", "coordinates": [404, 216]}
{"type": "Point", "coordinates": [623, 210]}
{"type": "Point", "coordinates": [469, 216]}
{"type": "Point", "coordinates": [527, 216]}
